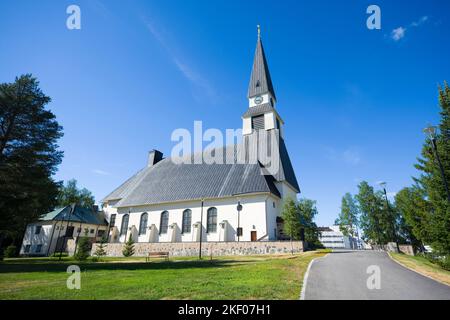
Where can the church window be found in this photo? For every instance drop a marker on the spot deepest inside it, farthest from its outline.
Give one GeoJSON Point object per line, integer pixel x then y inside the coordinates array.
{"type": "Point", "coordinates": [38, 230]}
{"type": "Point", "coordinates": [143, 223]}
{"type": "Point", "coordinates": [27, 248]}
{"type": "Point", "coordinates": [258, 84]}
{"type": "Point", "coordinates": [258, 122]}
{"type": "Point", "coordinates": [164, 223]}
{"type": "Point", "coordinates": [124, 226]}
{"type": "Point", "coordinates": [38, 248]}
{"type": "Point", "coordinates": [187, 220]}
{"type": "Point", "coordinates": [212, 220]}
{"type": "Point", "coordinates": [112, 221]}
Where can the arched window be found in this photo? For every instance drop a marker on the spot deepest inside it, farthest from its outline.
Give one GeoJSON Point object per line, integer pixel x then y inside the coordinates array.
{"type": "Point", "coordinates": [124, 226]}
{"type": "Point", "coordinates": [187, 220]}
{"type": "Point", "coordinates": [143, 224]}
{"type": "Point", "coordinates": [211, 220]}
{"type": "Point", "coordinates": [164, 224]}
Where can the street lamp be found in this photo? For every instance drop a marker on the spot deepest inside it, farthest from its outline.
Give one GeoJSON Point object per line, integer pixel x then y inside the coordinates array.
{"type": "Point", "coordinates": [239, 229]}
{"type": "Point", "coordinates": [430, 131]}
{"type": "Point", "coordinates": [383, 185]}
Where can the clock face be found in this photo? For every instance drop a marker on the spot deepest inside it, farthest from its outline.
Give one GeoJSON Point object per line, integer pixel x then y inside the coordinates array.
{"type": "Point", "coordinates": [258, 100]}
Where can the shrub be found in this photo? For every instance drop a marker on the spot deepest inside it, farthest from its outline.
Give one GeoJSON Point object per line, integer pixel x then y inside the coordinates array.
{"type": "Point", "coordinates": [83, 249]}
{"type": "Point", "coordinates": [128, 249]}
{"type": "Point", "coordinates": [11, 251]}
{"type": "Point", "coordinates": [100, 251]}
{"type": "Point", "coordinates": [57, 254]}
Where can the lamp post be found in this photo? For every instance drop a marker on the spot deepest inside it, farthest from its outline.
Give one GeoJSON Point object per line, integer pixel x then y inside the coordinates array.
{"type": "Point", "coordinates": [201, 232]}
{"type": "Point", "coordinates": [430, 131]}
{"type": "Point", "coordinates": [239, 209]}
{"type": "Point", "coordinates": [383, 185]}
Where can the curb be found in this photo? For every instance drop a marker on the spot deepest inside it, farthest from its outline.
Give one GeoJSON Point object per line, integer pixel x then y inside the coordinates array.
{"type": "Point", "coordinates": [305, 277]}
{"type": "Point", "coordinates": [418, 272]}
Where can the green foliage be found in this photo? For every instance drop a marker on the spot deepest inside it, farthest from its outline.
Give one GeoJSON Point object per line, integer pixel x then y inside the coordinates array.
{"type": "Point", "coordinates": [11, 251]}
{"type": "Point", "coordinates": [70, 193]}
{"type": "Point", "coordinates": [378, 218]}
{"type": "Point", "coordinates": [348, 217]}
{"type": "Point", "coordinates": [28, 155]}
{"type": "Point", "coordinates": [128, 249]}
{"type": "Point", "coordinates": [308, 211]}
{"type": "Point", "coordinates": [58, 254]}
{"type": "Point", "coordinates": [298, 221]}
{"type": "Point", "coordinates": [442, 261]}
{"type": "Point", "coordinates": [291, 219]}
{"type": "Point", "coordinates": [425, 206]}
{"type": "Point", "coordinates": [100, 251]}
{"type": "Point", "coordinates": [83, 249]}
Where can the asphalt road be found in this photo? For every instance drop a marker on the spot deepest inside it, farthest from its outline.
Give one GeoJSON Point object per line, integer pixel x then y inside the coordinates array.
{"type": "Point", "coordinates": [343, 275]}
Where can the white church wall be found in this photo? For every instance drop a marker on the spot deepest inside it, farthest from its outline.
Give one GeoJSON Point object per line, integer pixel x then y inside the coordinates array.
{"type": "Point", "coordinates": [34, 240]}
{"type": "Point", "coordinates": [252, 218]}
{"type": "Point", "coordinates": [273, 210]}
{"type": "Point", "coordinates": [247, 125]}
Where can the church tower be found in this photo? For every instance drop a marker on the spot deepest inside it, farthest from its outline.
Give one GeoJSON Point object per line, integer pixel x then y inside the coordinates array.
{"type": "Point", "coordinates": [262, 124]}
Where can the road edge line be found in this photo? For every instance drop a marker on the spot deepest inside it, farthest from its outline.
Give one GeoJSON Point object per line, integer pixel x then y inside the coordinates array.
{"type": "Point", "coordinates": [418, 272]}
{"type": "Point", "coordinates": [305, 277]}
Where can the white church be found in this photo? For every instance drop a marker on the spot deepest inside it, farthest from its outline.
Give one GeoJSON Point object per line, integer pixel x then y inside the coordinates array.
{"type": "Point", "coordinates": [171, 202]}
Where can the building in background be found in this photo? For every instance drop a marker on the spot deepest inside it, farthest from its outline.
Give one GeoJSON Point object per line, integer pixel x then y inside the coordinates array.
{"type": "Point", "coordinates": [332, 237]}
{"type": "Point", "coordinates": [55, 230]}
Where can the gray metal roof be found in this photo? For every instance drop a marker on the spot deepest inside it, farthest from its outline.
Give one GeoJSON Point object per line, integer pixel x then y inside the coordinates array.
{"type": "Point", "coordinates": [167, 181]}
{"type": "Point", "coordinates": [260, 81]}
{"type": "Point", "coordinates": [258, 110]}
{"type": "Point", "coordinates": [79, 214]}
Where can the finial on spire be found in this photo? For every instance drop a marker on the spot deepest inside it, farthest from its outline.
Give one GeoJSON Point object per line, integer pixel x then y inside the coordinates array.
{"type": "Point", "coordinates": [259, 31]}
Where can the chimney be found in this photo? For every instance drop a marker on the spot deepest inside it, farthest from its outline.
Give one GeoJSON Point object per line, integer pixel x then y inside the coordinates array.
{"type": "Point", "coordinates": [154, 157]}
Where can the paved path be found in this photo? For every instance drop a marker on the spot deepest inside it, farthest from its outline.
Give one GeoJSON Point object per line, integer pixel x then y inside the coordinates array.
{"type": "Point", "coordinates": [343, 275]}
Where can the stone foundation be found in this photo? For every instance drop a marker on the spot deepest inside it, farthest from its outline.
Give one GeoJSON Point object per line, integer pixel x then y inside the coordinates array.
{"type": "Point", "coordinates": [186, 249]}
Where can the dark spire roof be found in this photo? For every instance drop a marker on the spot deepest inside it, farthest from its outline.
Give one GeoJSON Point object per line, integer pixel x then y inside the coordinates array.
{"type": "Point", "coordinates": [260, 81]}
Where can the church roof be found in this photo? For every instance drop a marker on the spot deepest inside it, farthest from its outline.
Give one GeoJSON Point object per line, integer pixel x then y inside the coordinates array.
{"type": "Point", "coordinates": [79, 214]}
{"type": "Point", "coordinates": [167, 181]}
{"type": "Point", "coordinates": [260, 81]}
{"type": "Point", "coordinates": [257, 110]}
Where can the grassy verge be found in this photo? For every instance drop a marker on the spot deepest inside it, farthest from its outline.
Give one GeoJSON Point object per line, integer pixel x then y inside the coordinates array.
{"type": "Point", "coordinates": [423, 266]}
{"type": "Point", "coordinates": [244, 277]}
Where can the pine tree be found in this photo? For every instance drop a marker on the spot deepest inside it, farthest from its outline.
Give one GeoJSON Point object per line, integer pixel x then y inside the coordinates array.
{"type": "Point", "coordinates": [100, 251]}
{"type": "Point", "coordinates": [83, 248]}
{"type": "Point", "coordinates": [29, 155]}
{"type": "Point", "coordinates": [432, 183]}
{"type": "Point", "coordinates": [128, 249]}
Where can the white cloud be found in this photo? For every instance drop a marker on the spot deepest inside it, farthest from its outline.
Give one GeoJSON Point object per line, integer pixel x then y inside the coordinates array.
{"type": "Point", "coordinates": [398, 34]}
{"type": "Point", "coordinates": [192, 76]}
{"type": "Point", "coordinates": [419, 22]}
{"type": "Point", "coordinates": [101, 172]}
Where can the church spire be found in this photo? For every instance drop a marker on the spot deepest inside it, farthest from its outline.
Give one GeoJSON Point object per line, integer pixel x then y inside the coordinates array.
{"type": "Point", "coordinates": [260, 81]}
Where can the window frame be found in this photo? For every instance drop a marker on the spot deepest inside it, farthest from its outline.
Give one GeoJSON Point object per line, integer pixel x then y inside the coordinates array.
{"type": "Point", "coordinates": [211, 220]}
{"type": "Point", "coordinates": [143, 228]}
{"type": "Point", "coordinates": [112, 220]}
{"type": "Point", "coordinates": [164, 218]}
{"type": "Point", "coordinates": [36, 230]}
{"type": "Point", "coordinates": [186, 221]}
{"type": "Point", "coordinates": [127, 216]}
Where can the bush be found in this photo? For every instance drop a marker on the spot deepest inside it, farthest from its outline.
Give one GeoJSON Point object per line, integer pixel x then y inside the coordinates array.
{"type": "Point", "coordinates": [57, 254]}
{"type": "Point", "coordinates": [11, 251]}
{"type": "Point", "coordinates": [128, 249]}
{"type": "Point", "coordinates": [83, 249]}
{"type": "Point", "coordinates": [100, 251]}
{"type": "Point", "coordinates": [442, 261]}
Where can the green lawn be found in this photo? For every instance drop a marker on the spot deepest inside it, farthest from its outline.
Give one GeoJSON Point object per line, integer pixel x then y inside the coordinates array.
{"type": "Point", "coordinates": [252, 277]}
{"type": "Point", "coordinates": [422, 265]}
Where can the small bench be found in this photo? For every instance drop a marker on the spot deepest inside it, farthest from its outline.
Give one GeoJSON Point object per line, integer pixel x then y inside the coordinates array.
{"type": "Point", "coordinates": [164, 255]}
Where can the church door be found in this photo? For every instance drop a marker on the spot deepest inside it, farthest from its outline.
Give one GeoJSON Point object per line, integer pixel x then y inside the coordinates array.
{"type": "Point", "coordinates": [253, 235]}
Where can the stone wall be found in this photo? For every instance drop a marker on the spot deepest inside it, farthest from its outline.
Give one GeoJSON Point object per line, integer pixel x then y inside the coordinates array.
{"type": "Point", "coordinates": [407, 249]}
{"type": "Point", "coordinates": [185, 249]}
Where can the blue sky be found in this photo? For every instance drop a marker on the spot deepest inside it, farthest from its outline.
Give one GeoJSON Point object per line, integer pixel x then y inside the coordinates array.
{"type": "Point", "coordinates": [354, 100]}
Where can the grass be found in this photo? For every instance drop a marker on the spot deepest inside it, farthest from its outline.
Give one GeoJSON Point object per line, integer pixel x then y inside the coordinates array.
{"type": "Point", "coordinates": [244, 277]}
{"type": "Point", "coordinates": [424, 266]}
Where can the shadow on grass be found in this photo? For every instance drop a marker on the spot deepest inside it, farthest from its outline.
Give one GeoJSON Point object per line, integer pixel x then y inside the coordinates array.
{"type": "Point", "coordinates": [91, 266]}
